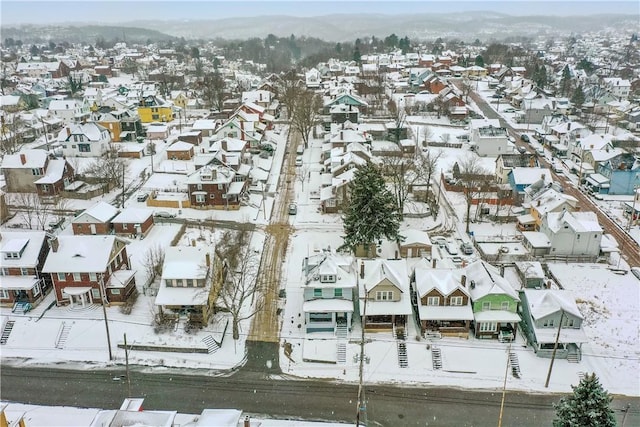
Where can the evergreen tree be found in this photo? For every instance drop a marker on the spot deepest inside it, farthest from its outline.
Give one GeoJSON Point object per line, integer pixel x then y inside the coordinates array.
{"type": "Point", "coordinates": [588, 406]}
{"type": "Point", "coordinates": [479, 61]}
{"type": "Point", "coordinates": [371, 213]}
{"type": "Point", "coordinates": [565, 81]}
{"type": "Point", "coordinates": [356, 54]}
{"type": "Point", "coordinates": [578, 97]}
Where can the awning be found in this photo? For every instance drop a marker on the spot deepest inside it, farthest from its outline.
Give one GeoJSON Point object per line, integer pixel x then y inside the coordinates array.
{"type": "Point", "coordinates": [501, 316]}
{"type": "Point", "coordinates": [70, 290]}
{"type": "Point", "coordinates": [598, 180]}
{"type": "Point", "coordinates": [235, 188]}
{"type": "Point", "coordinates": [328, 306]}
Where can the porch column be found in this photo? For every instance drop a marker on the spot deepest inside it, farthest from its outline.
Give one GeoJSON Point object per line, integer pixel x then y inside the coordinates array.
{"type": "Point", "coordinates": [70, 300]}
{"type": "Point", "coordinates": [82, 299]}
{"type": "Point", "coordinates": [90, 296]}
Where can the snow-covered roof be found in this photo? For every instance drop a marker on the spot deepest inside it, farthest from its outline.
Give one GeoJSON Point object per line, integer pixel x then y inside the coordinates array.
{"type": "Point", "coordinates": [180, 146]}
{"type": "Point", "coordinates": [525, 176]}
{"type": "Point", "coordinates": [487, 281]}
{"type": "Point", "coordinates": [81, 254]}
{"type": "Point", "coordinates": [444, 280]}
{"type": "Point", "coordinates": [55, 169]}
{"type": "Point", "coordinates": [28, 242]}
{"type": "Point", "coordinates": [413, 236]}
{"type": "Point", "coordinates": [101, 212]}
{"type": "Point", "coordinates": [377, 271]}
{"type": "Point", "coordinates": [446, 312]}
{"type": "Point", "coordinates": [185, 262]}
{"type": "Point", "coordinates": [132, 216]}
{"type": "Point", "coordinates": [543, 302]}
{"type": "Point", "coordinates": [33, 159]}
{"type": "Point", "coordinates": [580, 222]}
{"type": "Point", "coordinates": [182, 295]}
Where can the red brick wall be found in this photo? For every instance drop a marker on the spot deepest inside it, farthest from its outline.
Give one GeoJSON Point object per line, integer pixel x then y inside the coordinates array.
{"type": "Point", "coordinates": [81, 228]}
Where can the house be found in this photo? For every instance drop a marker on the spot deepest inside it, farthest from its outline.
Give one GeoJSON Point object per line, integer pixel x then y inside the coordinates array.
{"type": "Point", "coordinates": [521, 178]}
{"type": "Point", "coordinates": [488, 138]}
{"type": "Point", "coordinates": [329, 284]}
{"type": "Point", "coordinates": [216, 186]}
{"type": "Point", "coordinates": [416, 244]}
{"type": "Point", "coordinates": [312, 79]}
{"type": "Point", "coordinates": [346, 99]}
{"type": "Point", "coordinates": [192, 137]}
{"type": "Point", "coordinates": [123, 125]}
{"type": "Point", "coordinates": [69, 110]}
{"type": "Point", "coordinates": [84, 140]}
{"type": "Point", "coordinates": [95, 220]}
{"type": "Point", "coordinates": [495, 302]}
{"type": "Point", "coordinates": [23, 286]}
{"type": "Point", "coordinates": [152, 108]}
{"type": "Point", "coordinates": [33, 171]}
{"type": "Point", "coordinates": [239, 127]}
{"type": "Point", "coordinates": [132, 221]}
{"type": "Point", "coordinates": [45, 70]}
{"type": "Point", "coordinates": [531, 274]}
{"type": "Point", "coordinates": [384, 294]}
{"type": "Point", "coordinates": [573, 233]}
{"type": "Point", "coordinates": [444, 303]}
{"type": "Point", "coordinates": [545, 312]}
{"type": "Point", "coordinates": [89, 269]}
{"type": "Point", "coordinates": [622, 173]}
{"type": "Point", "coordinates": [341, 113]}
{"type": "Point", "coordinates": [158, 131]}
{"type": "Point", "coordinates": [207, 127]}
{"type": "Point", "coordinates": [186, 289]}
{"type": "Point", "coordinates": [506, 162]}
{"type": "Point", "coordinates": [180, 150]}
{"type": "Point", "coordinates": [546, 200]}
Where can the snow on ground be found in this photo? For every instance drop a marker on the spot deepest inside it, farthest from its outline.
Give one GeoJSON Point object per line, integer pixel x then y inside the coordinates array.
{"type": "Point", "coordinates": [56, 416]}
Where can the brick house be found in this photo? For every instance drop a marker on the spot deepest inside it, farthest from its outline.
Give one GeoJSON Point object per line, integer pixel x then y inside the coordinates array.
{"type": "Point", "coordinates": [216, 186]}
{"type": "Point", "coordinates": [33, 171]}
{"type": "Point", "coordinates": [89, 269]}
{"type": "Point", "coordinates": [95, 220]}
{"type": "Point", "coordinates": [180, 150]}
{"type": "Point", "coordinates": [132, 221]}
{"type": "Point", "coordinates": [23, 253]}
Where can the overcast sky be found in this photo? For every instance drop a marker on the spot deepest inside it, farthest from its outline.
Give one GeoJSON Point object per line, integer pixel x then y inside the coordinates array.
{"type": "Point", "coordinates": [121, 11]}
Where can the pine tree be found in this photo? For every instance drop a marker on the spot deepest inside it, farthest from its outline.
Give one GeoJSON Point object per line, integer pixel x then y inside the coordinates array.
{"type": "Point", "coordinates": [588, 406]}
{"type": "Point", "coordinates": [578, 97]}
{"type": "Point", "coordinates": [371, 212]}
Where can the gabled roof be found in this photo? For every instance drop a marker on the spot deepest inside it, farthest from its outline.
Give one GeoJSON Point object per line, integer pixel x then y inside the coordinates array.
{"type": "Point", "coordinates": [132, 216]}
{"type": "Point", "coordinates": [484, 279]}
{"type": "Point", "coordinates": [185, 262]}
{"type": "Point", "coordinates": [28, 242]}
{"type": "Point", "coordinates": [101, 212]}
{"type": "Point", "coordinates": [444, 280]}
{"type": "Point", "coordinates": [580, 222]}
{"type": "Point", "coordinates": [543, 302]}
{"type": "Point", "coordinates": [80, 254]}
{"type": "Point", "coordinates": [413, 236]}
{"type": "Point", "coordinates": [33, 159]}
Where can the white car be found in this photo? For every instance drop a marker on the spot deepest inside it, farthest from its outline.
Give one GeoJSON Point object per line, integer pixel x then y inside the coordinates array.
{"type": "Point", "coordinates": [636, 272]}
{"type": "Point", "coordinates": [299, 161]}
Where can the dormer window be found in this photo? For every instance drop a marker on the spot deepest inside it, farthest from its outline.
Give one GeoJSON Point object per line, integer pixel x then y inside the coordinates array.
{"type": "Point", "coordinates": [327, 278]}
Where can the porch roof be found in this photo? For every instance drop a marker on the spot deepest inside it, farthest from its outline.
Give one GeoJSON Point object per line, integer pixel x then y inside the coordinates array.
{"type": "Point", "coordinates": [328, 305]}
{"type": "Point", "coordinates": [497, 316]}
{"type": "Point", "coordinates": [76, 290]}
{"type": "Point", "coordinates": [181, 296]}
{"type": "Point", "coordinates": [120, 278]}
{"type": "Point", "coordinates": [452, 312]}
{"type": "Point", "coordinates": [18, 282]}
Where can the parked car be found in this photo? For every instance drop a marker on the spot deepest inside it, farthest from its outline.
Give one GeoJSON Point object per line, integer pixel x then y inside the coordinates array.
{"type": "Point", "coordinates": [293, 209]}
{"type": "Point", "coordinates": [439, 240]}
{"type": "Point", "coordinates": [522, 150]}
{"type": "Point", "coordinates": [451, 248]}
{"type": "Point", "coordinates": [466, 248]}
{"type": "Point", "coordinates": [142, 197]}
{"type": "Point", "coordinates": [164, 214]}
{"type": "Point", "coordinates": [511, 139]}
{"type": "Point", "coordinates": [509, 110]}
{"type": "Point", "coordinates": [636, 272]}
{"type": "Point", "coordinates": [524, 137]}
{"type": "Point", "coordinates": [299, 161]}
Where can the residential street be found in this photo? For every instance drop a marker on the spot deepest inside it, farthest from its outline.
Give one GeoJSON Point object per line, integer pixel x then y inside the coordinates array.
{"type": "Point", "coordinates": [629, 247]}
{"type": "Point", "coordinates": [254, 393]}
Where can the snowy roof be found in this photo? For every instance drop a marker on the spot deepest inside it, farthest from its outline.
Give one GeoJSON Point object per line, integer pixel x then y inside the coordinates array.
{"type": "Point", "coordinates": [219, 418]}
{"type": "Point", "coordinates": [182, 295]}
{"type": "Point", "coordinates": [446, 312]}
{"type": "Point", "coordinates": [497, 316]}
{"type": "Point", "coordinates": [445, 281]}
{"type": "Point", "coordinates": [328, 305]}
{"type": "Point", "coordinates": [413, 236]}
{"type": "Point", "coordinates": [487, 281]}
{"type": "Point", "coordinates": [185, 262]}
{"type": "Point", "coordinates": [377, 271]}
{"type": "Point", "coordinates": [18, 282]}
{"type": "Point", "coordinates": [92, 130]}
{"type": "Point", "coordinates": [204, 124]}
{"type": "Point", "coordinates": [180, 146]}
{"type": "Point", "coordinates": [81, 254]}
{"type": "Point", "coordinates": [537, 239]}
{"type": "Point", "coordinates": [132, 216]}
{"type": "Point", "coordinates": [55, 169]}
{"type": "Point", "coordinates": [543, 302]}
{"type": "Point", "coordinates": [33, 159]}
{"type": "Point", "coordinates": [101, 211]}
{"type": "Point", "coordinates": [578, 221]}
{"type": "Point", "coordinates": [524, 176]}
{"type": "Point", "coordinates": [29, 242]}
{"type": "Point", "coordinates": [64, 104]}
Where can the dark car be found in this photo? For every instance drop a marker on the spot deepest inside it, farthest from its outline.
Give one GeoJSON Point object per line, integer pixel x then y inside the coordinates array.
{"type": "Point", "coordinates": [524, 137]}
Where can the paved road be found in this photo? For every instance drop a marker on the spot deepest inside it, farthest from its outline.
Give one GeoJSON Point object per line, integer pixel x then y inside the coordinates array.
{"type": "Point", "coordinates": [254, 393]}
{"type": "Point", "coordinates": [629, 247]}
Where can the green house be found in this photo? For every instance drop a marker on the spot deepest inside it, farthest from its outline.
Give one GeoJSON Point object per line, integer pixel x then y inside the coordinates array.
{"type": "Point", "coordinates": [494, 302]}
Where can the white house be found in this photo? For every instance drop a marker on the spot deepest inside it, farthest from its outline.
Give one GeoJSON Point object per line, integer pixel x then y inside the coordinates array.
{"type": "Point", "coordinates": [84, 140]}
{"type": "Point", "coordinates": [69, 110]}
{"type": "Point", "coordinates": [488, 138]}
{"type": "Point", "coordinates": [573, 233]}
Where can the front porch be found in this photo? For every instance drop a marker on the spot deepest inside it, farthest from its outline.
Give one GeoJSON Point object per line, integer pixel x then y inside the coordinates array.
{"type": "Point", "coordinates": [326, 315]}
{"type": "Point", "coordinates": [384, 323]}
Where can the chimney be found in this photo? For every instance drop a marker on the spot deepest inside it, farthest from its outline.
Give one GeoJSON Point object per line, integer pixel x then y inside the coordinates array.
{"type": "Point", "coordinates": [54, 244]}
{"type": "Point", "coordinates": [569, 126]}
{"type": "Point", "coordinates": [433, 263]}
{"type": "Point", "coordinates": [502, 270]}
{"type": "Point", "coordinates": [68, 131]}
{"type": "Point", "coordinates": [342, 134]}
{"type": "Point", "coordinates": [223, 143]}
{"type": "Point", "coordinates": [397, 255]}
{"type": "Point", "coordinates": [208, 259]}
{"type": "Point", "coordinates": [247, 421]}
{"type": "Point", "coordinates": [463, 280]}
{"type": "Point", "coordinates": [193, 242]}
{"type": "Point", "coordinates": [362, 269]}
{"type": "Point", "coordinates": [23, 159]}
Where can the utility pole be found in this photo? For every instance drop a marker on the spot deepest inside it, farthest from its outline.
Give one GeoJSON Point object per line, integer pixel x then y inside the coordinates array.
{"type": "Point", "coordinates": [126, 361]}
{"type": "Point", "coordinates": [504, 386]}
{"type": "Point", "coordinates": [123, 185]}
{"type": "Point", "coordinates": [362, 404]}
{"type": "Point", "coordinates": [103, 299]}
{"type": "Point", "coordinates": [555, 347]}
{"type": "Point", "coordinates": [636, 197]}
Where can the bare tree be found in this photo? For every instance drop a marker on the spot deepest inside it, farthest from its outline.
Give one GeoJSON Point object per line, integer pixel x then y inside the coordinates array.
{"type": "Point", "coordinates": [399, 116]}
{"type": "Point", "coordinates": [153, 260]}
{"type": "Point", "coordinates": [239, 292]}
{"type": "Point", "coordinates": [474, 179]}
{"type": "Point", "coordinates": [31, 210]}
{"type": "Point", "coordinates": [466, 87]}
{"type": "Point", "coordinates": [289, 88]}
{"type": "Point", "coordinates": [302, 174]}
{"type": "Point", "coordinates": [212, 87]}
{"type": "Point", "coordinates": [429, 164]}
{"type": "Point", "coordinates": [402, 173]}
{"type": "Point", "coordinates": [110, 169]}
{"type": "Point", "coordinates": [306, 106]}
{"type": "Point", "coordinates": [11, 128]}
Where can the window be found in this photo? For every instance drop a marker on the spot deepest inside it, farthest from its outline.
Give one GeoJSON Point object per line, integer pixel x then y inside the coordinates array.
{"type": "Point", "coordinates": [504, 305]}
{"type": "Point", "coordinates": [95, 293]}
{"type": "Point", "coordinates": [220, 186]}
{"type": "Point", "coordinates": [320, 317]}
{"type": "Point", "coordinates": [62, 277]}
{"type": "Point", "coordinates": [317, 293]}
{"type": "Point", "coordinates": [200, 198]}
{"type": "Point", "coordinates": [4, 294]}
{"type": "Point", "coordinates": [488, 327]}
{"type": "Point", "coordinates": [4, 272]}
{"type": "Point", "coordinates": [551, 323]}
{"type": "Point", "coordinates": [35, 290]}
{"type": "Point", "coordinates": [486, 305]}
{"type": "Point", "coordinates": [433, 300]}
{"type": "Point", "coordinates": [199, 186]}
{"type": "Point", "coordinates": [337, 292]}
{"type": "Point", "coordinates": [125, 226]}
{"type": "Point", "coordinates": [384, 296]}
{"type": "Point", "coordinates": [455, 301]}
{"type": "Point", "coordinates": [115, 291]}
{"type": "Point", "coordinates": [9, 255]}
{"type": "Point", "coordinates": [328, 278]}
{"type": "Point", "coordinates": [213, 196]}
{"type": "Point", "coordinates": [84, 148]}
{"type": "Point", "coordinates": [36, 171]}
{"type": "Point", "coordinates": [93, 277]}
{"type": "Point", "coordinates": [155, 116]}
{"type": "Point", "coordinates": [24, 271]}
{"type": "Point", "coordinates": [189, 283]}
{"type": "Point", "coordinates": [76, 277]}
